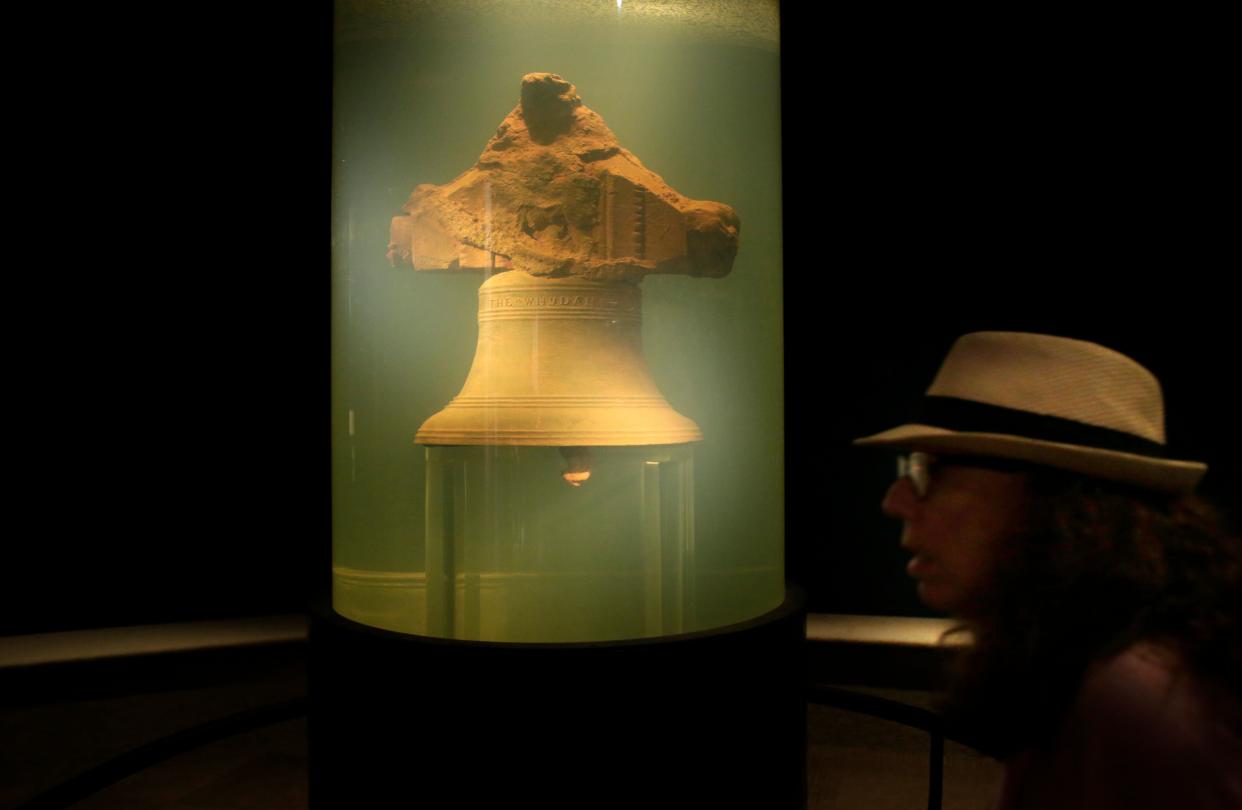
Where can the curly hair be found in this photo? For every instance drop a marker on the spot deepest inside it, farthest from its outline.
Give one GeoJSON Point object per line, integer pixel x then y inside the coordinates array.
{"type": "Point", "coordinates": [1097, 567]}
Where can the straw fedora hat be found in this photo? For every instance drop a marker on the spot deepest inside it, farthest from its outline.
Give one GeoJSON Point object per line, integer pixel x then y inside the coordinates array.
{"type": "Point", "coordinates": [1048, 400]}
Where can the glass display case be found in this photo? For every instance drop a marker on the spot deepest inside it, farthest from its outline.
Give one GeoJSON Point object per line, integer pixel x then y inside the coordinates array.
{"type": "Point", "coordinates": [557, 408]}
{"type": "Point", "coordinates": [677, 527]}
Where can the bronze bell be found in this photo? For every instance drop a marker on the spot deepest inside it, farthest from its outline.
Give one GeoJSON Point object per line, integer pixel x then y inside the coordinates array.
{"type": "Point", "coordinates": [559, 363]}
{"type": "Point", "coordinates": [567, 223]}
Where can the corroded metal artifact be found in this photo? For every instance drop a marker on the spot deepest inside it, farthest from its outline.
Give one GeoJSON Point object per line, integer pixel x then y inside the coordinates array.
{"type": "Point", "coordinates": [566, 223]}
{"type": "Point", "coordinates": [554, 194]}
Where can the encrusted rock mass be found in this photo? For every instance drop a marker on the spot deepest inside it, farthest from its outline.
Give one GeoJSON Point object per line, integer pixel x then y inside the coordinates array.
{"type": "Point", "coordinates": [554, 194]}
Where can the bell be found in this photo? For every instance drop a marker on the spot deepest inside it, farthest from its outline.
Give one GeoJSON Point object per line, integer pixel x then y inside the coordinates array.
{"type": "Point", "coordinates": [559, 363]}
{"type": "Point", "coordinates": [565, 223]}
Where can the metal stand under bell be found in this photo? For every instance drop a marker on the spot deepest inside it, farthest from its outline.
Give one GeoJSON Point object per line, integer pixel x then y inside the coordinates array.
{"type": "Point", "coordinates": [560, 544]}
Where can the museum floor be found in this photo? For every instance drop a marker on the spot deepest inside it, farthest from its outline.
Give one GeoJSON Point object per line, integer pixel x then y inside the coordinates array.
{"type": "Point", "coordinates": [855, 761]}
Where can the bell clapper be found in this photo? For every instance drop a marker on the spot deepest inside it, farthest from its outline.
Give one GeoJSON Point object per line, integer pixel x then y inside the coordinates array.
{"type": "Point", "coordinates": [577, 465]}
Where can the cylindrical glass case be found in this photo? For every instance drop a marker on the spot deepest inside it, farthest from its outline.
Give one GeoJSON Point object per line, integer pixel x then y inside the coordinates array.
{"type": "Point", "coordinates": [557, 370]}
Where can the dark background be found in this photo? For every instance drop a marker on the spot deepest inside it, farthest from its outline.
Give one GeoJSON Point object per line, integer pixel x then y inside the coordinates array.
{"type": "Point", "coordinates": [171, 391]}
{"type": "Point", "coordinates": [946, 174]}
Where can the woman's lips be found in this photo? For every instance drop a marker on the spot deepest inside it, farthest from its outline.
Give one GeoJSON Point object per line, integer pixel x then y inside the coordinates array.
{"type": "Point", "coordinates": [920, 566]}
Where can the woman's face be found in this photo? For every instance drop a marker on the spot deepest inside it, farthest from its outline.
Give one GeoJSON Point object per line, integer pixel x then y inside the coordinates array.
{"type": "Point", "coordinates": [957, 530]}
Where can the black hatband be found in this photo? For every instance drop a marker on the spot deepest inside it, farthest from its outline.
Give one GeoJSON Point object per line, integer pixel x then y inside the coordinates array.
{"type": "Point", "coordinates": [967, 416]}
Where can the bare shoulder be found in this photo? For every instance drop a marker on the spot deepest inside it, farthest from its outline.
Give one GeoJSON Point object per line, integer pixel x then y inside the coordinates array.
{"type": "Point", "coordinates": [1142, 678]}
{"type": "Point", "coordinates": [1147, 689]}
{"type": "Point", "coordinates": [1147, 728]}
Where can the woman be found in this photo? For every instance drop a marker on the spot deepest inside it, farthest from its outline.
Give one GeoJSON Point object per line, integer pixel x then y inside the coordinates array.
{"type": "Point", "coordinates": [1104, 599]}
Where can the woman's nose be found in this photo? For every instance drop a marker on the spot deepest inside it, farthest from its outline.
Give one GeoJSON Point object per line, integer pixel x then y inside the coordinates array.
{"type": "Point", "coordinates": [900, 501]}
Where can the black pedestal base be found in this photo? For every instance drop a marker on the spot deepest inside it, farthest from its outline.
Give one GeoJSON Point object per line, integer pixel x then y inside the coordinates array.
{"type": "Point", "coordinates": [711, 719]}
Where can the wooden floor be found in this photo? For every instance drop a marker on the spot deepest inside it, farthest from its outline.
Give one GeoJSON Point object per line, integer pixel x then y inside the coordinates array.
{"type": "Point", "coordinates": [854, 763]}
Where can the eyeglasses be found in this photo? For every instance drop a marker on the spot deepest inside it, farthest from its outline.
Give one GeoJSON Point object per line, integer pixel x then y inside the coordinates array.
{"type": "Point", "coordinates": [917, 466]}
